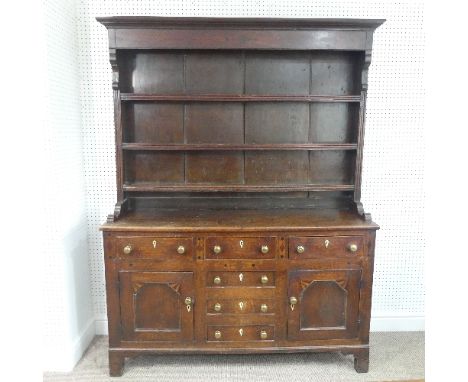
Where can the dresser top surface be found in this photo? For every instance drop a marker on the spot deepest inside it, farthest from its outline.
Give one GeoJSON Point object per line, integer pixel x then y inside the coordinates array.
{"type": "Point", "coordinates": [170, 220]}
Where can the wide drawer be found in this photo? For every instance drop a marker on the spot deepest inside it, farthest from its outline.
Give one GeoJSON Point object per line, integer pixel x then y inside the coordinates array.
{"type": "Point", "coordinates": [239, 279]}
{"type": "Point", "coordinates": [241, 306]}
{"type": "Point", "coordinates": [221, 333]}
{"type": "Point", "coordinates": [219, 247]}
{"type": "Point", "coordinates": [325, 246]}
{"type": "Point", "coordinates": [163, 248]}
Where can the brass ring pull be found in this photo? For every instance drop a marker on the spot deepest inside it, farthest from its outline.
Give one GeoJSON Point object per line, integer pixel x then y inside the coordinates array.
{"type": "Point", "coordinates": [264, 279]}
{"type": "Point", "coordinates": [265, 249]}
{"type": "Point", "coordinates": [217, 249]}
{"type": "Point", "coordinates": [217, 307]}
{"type": "Point", "coordinates": [263, 335]}
{"type": "Point", "coordinates": [217, 280]}
{"type": "Point", "coordinates": [264, 308]}
{"type": "Point", "coordinates": [300, 249]}
{"type": "Point", "coordinates": [128, 249]}
{"type": "Point", "coordinates": [217, 334]}
{"type": "Point", "coordinates": [180, 249]}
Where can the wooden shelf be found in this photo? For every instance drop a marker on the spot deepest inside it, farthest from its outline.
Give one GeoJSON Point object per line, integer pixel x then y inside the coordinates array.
{"type": "Point", "coordinates": [152, 187]}
{"type": "Point", "coordinates": [234, 147]}
{"type": "Point", "coordinates": [238, 98]}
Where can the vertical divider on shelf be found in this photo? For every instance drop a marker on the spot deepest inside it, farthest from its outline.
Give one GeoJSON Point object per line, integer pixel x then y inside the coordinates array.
{"type": "Point", "coordinates": [309, 173]}
{"type": "Point", "coordinates": [117, 122]}
{"type": "Point", "coordinates": [183, 118]}
{"type": "Point", "coordinates": [243, 115]}
{"type": "Point", "coordinates": [361, 128]}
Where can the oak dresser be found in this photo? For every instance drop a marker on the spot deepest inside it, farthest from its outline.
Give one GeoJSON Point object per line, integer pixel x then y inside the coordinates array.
{"type": "Point", "coordinates": [238, 226]}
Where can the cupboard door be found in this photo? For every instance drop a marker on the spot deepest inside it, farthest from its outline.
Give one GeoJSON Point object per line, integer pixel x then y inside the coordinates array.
{"type": "Point", "coordinates": [157, 306]}
{"type": "Point", "coordinates": [323, 304]}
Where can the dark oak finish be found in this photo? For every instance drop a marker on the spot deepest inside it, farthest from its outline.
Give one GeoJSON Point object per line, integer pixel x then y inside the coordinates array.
{"type": "Point", "coordinates": [238, 226]}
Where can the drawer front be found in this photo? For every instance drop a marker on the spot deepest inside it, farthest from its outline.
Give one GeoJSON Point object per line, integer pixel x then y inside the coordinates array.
{"type": "Point", "coordinates": [240, 279]}
{"type": "Point", "coordinates": [163, 248]}
{"type": "Point", "coordinates": [241, 306]}
{"type": "Point", "coordinates": [221, 333]}
{"type": "Point", "coordinates": [240, 247]}
{"type": "Point", "coordinates": [325, 246]}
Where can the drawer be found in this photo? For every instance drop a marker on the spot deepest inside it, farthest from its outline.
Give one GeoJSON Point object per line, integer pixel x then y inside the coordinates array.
{"type": "Point", "coordinates": [221, 333]}
{"type": "Point", "coordinates": [163, 248]}
{"type": "Point", "coordinates": [240, 306]}
{"type": "Point", "coordinates": [219, 247]}
{"type": "Point", "coordinates": [325, 246]}
{"type": "Point", "coordinates": [239, 279]}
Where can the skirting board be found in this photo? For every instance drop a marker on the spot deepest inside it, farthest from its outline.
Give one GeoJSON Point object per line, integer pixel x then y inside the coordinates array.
{"type": "Point", "coordinates": [64, 357]}
{"type": "Point", "coordinates": [379, 323]}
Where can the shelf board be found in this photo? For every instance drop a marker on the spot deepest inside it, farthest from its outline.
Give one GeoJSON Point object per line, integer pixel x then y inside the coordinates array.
{"type": "Point", "coordinates": [238, 98]}
{"type": "Point", "coordinates": [152, 187]}
{"type": "Point", "coordinates": [234, 147]}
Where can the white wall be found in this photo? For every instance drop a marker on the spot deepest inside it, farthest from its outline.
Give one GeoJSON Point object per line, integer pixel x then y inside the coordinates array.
{"type": "Point", "coordinates": [68, 312]}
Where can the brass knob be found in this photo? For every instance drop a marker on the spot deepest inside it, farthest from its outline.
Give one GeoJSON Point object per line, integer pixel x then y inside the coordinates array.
{"type": "Point", "coordinates": [263, 335]}
{"type": "Point", "coordinates": [180, 249]}
{"type": "Point", "coordinates": [217, 280]}
{"type": "Point", "coordinates": [264, 279]}
{"type": "Point", "coordinates": [217, 249]}
{"type": "Point", "coordinates": [188, 300]}
{"type": "Point", "coordinates": [265, 249]}
{"type": "Point", "coordinates": [217, 334]}
{"type": "Point", "coordinates": [353, 247]}
{"type": "Point", "coordinates": [217, 307]}
{"type": "Point", "coordinates": [300, 249]}
{"type": "Point", "coordinates": [264, 308]}
{"type": "Point", "coordinates": [293, 300]}
{"type": "Point", "coordinates": [128, 249]}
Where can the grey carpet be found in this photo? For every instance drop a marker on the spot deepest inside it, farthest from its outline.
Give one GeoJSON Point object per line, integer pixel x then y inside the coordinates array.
{"type": "Point", "coordinates": [394, 357]}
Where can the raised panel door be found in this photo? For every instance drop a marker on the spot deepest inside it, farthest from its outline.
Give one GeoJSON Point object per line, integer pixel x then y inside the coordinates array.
{"type": "Point", "coordinates": [323, 304]}
{"type": "Point", "coordinates": [156, 306]}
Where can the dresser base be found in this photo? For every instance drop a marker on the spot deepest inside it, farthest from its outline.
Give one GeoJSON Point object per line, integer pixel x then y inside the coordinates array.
{"type": "Point", "coordinates": [117, 355]}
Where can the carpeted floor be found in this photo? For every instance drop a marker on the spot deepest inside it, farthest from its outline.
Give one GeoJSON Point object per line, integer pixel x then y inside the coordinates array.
{"type": "Point", "coordinates": [394, 357]}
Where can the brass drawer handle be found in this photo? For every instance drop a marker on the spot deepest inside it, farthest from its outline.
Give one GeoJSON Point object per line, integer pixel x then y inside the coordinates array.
{"type": "Point", "coordinates": [217, 307]}
{"type": "Point", "coordinates": [353, 247]}
{"type": "Point", "coordinates": [263, 335]}
{"type": "Point", "coordinates": [217, 249]}
{"type": "Point", "coordinates": [264, 308]}
{"type": "Point", "coordinates": [188, 303]}
{"type": "Point", "coordinates": [128, 249]}
{"type": "Point", "coordinates": [217, 280]}
{"type": "Point", "coordinates": [264, 279]}
{"type": "Point", "coordinates": [292, 302]}
{"type": "Point", "coordinates": [217, 334]}
{"type": "Point", "coordinates": [265, 249]}
{"type": "Point", "coordinates": [300, 249]}
{"type": "Point", "coordinates": [180, 249]}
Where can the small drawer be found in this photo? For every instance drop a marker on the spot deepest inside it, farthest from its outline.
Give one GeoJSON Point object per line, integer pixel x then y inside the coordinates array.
{"type": "Point", "coordinates": [325, 246]}
{"type": "Point", "coordinates": [240, 306]}
{"type": "Point", "coordinates": [241, 333]}
{"type": "Point", "coordinates": [163, 248]}
{"type": "Point", "coordinates": [240, 247]}
{"type": "Point", "coordinates": [239, 279]}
